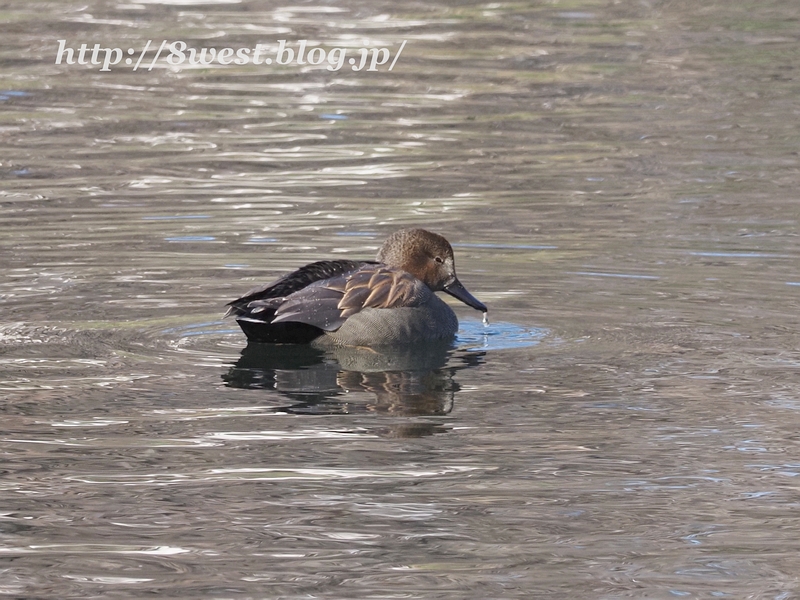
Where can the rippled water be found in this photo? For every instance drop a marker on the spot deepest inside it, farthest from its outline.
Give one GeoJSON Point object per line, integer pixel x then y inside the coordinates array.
{"type": "Point", "coordinates": [618, 181]}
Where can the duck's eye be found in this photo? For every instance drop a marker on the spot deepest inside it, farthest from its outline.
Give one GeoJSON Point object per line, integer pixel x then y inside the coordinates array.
{"type": "Point", "coordinates": [439, 259]}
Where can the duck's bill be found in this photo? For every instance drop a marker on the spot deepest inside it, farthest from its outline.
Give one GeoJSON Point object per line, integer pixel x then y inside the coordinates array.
{"type": "Point", "coordinates": [456, 290]}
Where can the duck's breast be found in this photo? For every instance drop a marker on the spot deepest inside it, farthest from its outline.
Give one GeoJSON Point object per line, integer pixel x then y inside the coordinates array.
{"type": "Point", "coordinates": [425, 322]}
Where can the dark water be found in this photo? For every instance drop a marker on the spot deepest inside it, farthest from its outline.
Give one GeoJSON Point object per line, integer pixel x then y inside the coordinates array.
{"type": "Point", "coordinates": [619, 181]}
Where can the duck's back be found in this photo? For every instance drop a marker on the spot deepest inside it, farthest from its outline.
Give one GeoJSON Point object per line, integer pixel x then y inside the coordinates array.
{"type": "Point", "coordinates": [256, 310]}
{"type": "Point", "coordinates": [345, 303]}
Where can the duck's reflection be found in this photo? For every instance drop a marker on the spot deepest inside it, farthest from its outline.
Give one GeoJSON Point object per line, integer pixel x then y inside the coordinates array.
{"type": "Point", "coordinates": [397, 381]}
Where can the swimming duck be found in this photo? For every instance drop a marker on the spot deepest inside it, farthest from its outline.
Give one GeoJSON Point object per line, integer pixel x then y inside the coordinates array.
{"type": "Point", "coordinates": [389, 301]}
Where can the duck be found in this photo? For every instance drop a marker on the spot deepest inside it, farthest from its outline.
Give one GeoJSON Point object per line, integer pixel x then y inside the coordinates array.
{"type": "Point", "coordinates": [389, 301]}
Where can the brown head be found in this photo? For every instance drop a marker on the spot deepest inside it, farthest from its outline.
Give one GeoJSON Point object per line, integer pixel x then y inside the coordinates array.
{"type": "Point", "coordinates": [429, 258]}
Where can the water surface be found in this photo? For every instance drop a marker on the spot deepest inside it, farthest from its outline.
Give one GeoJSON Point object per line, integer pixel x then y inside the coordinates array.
{"type": "Point", "coordinates": [619, 183]}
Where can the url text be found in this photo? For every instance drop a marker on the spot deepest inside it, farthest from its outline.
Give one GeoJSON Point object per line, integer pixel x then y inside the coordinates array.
{"type": "Point", "coordinates": [179, 53]}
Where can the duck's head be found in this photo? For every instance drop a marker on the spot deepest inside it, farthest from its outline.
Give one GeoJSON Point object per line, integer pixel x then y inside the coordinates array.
{"type": "Point", "coordinates": [429, 258]}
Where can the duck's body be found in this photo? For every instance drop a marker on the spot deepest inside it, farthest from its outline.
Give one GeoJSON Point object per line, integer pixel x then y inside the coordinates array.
{"type": "Point", "coordinates": [390, 301]}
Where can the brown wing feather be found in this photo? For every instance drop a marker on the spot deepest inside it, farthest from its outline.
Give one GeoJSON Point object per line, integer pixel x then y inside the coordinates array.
{"type": "Point", "coordinates": [273, 294]}
{"type": "Point", "coordinates": [377, 287]}
{"type": "Point", "coordinates": [402, 290]}
{"type": "Point", "coordinates": [327, 304]}
{"type": "Point", "coordinates": [353, 300]}
{"type": "Point", "coordinates": [380, 287]}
